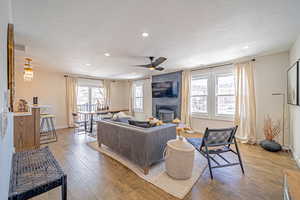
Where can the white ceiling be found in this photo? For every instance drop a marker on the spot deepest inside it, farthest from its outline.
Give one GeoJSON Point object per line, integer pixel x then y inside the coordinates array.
{"type": "Point", "coordinates": [65, 35]}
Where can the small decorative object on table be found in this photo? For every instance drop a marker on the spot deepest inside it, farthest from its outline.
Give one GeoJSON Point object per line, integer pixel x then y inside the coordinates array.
{"type": "Point", "coordinates": [176, 121]}
{"type": "Point", "coordinates": [22, 106]}
{"type": "Point", "coordinates": [35, 101]}
{"type": "Point", "coordinates": [271, 131]}
{"type": "Point", "coordinates": [182, 128]}
{"type": "Point", "coordinates": [189, 130]}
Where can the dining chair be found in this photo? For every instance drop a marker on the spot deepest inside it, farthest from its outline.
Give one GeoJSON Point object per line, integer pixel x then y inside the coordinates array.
{"type": "Point", "coordinates": [79, 123]}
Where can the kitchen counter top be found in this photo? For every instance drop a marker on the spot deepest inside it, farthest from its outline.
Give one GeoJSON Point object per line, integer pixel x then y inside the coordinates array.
{"type": "Point", "coordinates": [22, 113]}
{"type": "Point", "coordinates": [40, 106]}
{"type": "Point", "coordinates": [29, 113]}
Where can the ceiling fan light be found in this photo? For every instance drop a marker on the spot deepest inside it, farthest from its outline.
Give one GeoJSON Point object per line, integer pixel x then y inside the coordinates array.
{"type": "Point", "coordinates": [152, 68]}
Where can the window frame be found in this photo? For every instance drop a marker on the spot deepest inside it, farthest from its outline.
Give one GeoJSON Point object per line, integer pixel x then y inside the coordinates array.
{"type": "Point", "coordinates": [212, 93]}
{"type": "Point", "coordinates": [201, 114]}
{"type": "Point", "coordinates": [135, 85]}
{"type": "Point", "coordinates": [89, 93]}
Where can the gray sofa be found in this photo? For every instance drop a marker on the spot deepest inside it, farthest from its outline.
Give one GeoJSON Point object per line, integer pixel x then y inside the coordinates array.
{"type": "Point", "coordinates": [143, 146]}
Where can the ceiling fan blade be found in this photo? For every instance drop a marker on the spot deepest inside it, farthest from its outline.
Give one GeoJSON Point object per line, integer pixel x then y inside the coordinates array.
{"type": "Point", "coordinates": [146, 66]}
{"type": "Point", "coordinates": [159, 68]}
{"type": "Point", "coordinates": [158, 61]}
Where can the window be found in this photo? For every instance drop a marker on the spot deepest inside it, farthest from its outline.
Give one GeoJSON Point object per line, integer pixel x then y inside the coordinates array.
{"type": "Point", "coordinates": [213, 94]}
{"type": "Point", "coordinates": [199, 94]}
{"type": "Point", "coordinates": [89, 94]}
{"type": "Point", "coordinates": [138, 97]}
{"type": "Point", "coordinates": [97, 95]}
{"type": "Point", "coordinates": [225, 98]}
{"type": "Point", "coordinates": [83, 95]}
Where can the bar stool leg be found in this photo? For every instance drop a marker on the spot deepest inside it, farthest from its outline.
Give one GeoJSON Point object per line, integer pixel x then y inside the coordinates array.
{"type": "Point", "coordinates": [42, 126]}
{"type": "Point", "coordinates": [53, 129]}
{"type": "Point", "coordinates": [50, 132]}
{"type": "Point", "coordinates": [48, 125]}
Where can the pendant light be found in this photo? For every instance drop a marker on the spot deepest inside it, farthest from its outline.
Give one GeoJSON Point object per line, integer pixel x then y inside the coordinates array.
{"type": "Point", "coordinates": [28, 72]}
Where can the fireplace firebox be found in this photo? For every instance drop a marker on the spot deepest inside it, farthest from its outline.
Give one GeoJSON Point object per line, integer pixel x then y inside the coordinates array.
{"type": "Point", "coordinates": [166, 113]}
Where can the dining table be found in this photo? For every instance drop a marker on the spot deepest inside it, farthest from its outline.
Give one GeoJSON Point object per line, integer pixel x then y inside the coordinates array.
{"type": "Point", "coordinates": [97, 112]}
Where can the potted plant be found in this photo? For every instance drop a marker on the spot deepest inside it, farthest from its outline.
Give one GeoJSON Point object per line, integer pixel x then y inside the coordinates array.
{"type": "Point", "coordinates": [271, 131]}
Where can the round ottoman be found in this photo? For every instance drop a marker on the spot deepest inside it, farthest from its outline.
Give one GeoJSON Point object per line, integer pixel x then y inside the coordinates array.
{"type": "Point", "coordinates": [179, 159]}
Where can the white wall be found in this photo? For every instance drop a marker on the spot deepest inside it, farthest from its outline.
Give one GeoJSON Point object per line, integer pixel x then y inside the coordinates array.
{"type": "Point", "coordinates": [119, 94]}
{"type": "Point", "coordinates": [6, 142]}
{"type": "Point", "coordinates": [200, 125]}
{"type": "Point", "coordinates": [295, 110]}
{"type": "Point", "coordinates": [49, 87]}
{"type": "Point", "coordinates": [270, 77]}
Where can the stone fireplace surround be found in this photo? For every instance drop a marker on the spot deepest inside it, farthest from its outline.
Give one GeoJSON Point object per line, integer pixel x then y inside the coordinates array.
{"type": "Point", "coordinates": [168, 103]}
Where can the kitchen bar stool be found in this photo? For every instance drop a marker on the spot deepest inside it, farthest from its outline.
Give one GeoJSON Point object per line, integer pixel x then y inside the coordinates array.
{"type": "Point", "coordinates": [48, 133]}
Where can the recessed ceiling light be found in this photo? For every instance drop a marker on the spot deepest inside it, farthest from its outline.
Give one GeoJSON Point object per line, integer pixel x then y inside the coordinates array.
{"type": "Point", "coordinates": [145, 34]}
{"type": "Point", "coordinates": [107, 54]}
{"type": "Point", "coordinates": [87, 64]}
{"type": "Point", "coordinates": [246, 47]}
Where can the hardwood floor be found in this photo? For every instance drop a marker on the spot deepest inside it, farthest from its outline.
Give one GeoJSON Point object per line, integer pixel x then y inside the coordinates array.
{"type": "Point", "coordinates": [93, 176]}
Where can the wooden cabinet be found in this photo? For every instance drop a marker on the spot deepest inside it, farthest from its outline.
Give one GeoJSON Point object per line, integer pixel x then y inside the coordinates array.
{"type": "Point", "coordinates": [27, 130]}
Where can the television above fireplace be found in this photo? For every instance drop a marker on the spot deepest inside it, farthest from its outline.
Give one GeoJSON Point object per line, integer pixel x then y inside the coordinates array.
{"type": "Point", "coordinates": [165, 89]}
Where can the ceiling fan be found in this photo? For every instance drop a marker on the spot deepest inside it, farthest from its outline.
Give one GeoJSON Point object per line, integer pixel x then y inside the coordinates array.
{"type": "Point", "coordinates": [153, 65]}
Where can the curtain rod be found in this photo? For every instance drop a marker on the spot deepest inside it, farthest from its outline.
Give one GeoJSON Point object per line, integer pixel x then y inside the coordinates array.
{"type": "Point", "coordinates": [140, 79]}
{"type": "Point", "coordinates": [220, 65]}
{"type": "Point", "coordinates": [90, 78]}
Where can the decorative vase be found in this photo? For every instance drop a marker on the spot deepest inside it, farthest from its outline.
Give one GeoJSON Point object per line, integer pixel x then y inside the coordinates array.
{"type": "Point", "coordinates": [270, 145]}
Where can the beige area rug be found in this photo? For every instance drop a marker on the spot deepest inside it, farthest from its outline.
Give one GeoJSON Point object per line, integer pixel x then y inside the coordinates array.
{"type": "Point", "coordinates": [157, 174]}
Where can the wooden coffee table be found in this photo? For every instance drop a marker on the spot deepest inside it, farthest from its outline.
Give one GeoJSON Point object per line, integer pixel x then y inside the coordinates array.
{"type": "Point", "coordinates": [180, 131]}
{"type": "Point", "coordinates": [192, 135]}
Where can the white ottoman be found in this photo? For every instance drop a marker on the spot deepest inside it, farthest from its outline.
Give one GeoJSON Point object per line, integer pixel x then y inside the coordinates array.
{"type": "Point", "coordinates": [179, 159]}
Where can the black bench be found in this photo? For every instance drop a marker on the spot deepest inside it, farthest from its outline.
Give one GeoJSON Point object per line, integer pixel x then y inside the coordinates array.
{"type": "Point", "coordinates": [35, 172]}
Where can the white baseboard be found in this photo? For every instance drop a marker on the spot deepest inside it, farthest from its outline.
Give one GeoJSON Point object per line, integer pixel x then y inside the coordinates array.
{"type": "Point", "coordinates": [61, 127]}
{"type": "Point", "coordinates": [297, 159]}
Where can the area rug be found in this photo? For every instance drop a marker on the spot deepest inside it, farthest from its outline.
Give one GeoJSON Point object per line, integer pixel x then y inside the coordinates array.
{"type": "Point", "coordinates": [157, 174]}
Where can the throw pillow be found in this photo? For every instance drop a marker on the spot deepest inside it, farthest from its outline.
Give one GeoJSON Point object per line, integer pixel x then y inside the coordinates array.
{"type": "Point", "coordinates": [142, 124]}
{"type": "Point", "coordinates": [123, 115]}
{"type": "Point", "coordinates": [115, 117]}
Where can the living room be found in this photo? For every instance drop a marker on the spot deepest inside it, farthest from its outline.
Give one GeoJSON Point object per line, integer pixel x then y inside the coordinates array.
{"type": "Point", "coordinates": [129, 100]}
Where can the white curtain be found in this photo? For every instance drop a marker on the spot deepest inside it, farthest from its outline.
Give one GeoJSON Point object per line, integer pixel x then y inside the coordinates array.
{"type": "Point", "coordinates": [185, 97]}
{"type": "Point", "coordinates": [106, 85]}
{"type": "Point", "coordinates": [71, 99]}
{"type": "Point", "coordinates": [245, 111]}
{"type": "Point", "coordinates": [130, 100]}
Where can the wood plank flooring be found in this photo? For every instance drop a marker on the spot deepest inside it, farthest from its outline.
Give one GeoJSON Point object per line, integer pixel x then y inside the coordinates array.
{"type": "Point", "coordinates": [93, 176]}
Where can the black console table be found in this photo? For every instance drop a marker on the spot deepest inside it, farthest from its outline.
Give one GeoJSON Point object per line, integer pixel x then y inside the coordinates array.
{"type": "Point", "coordinates": [35, 172]}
